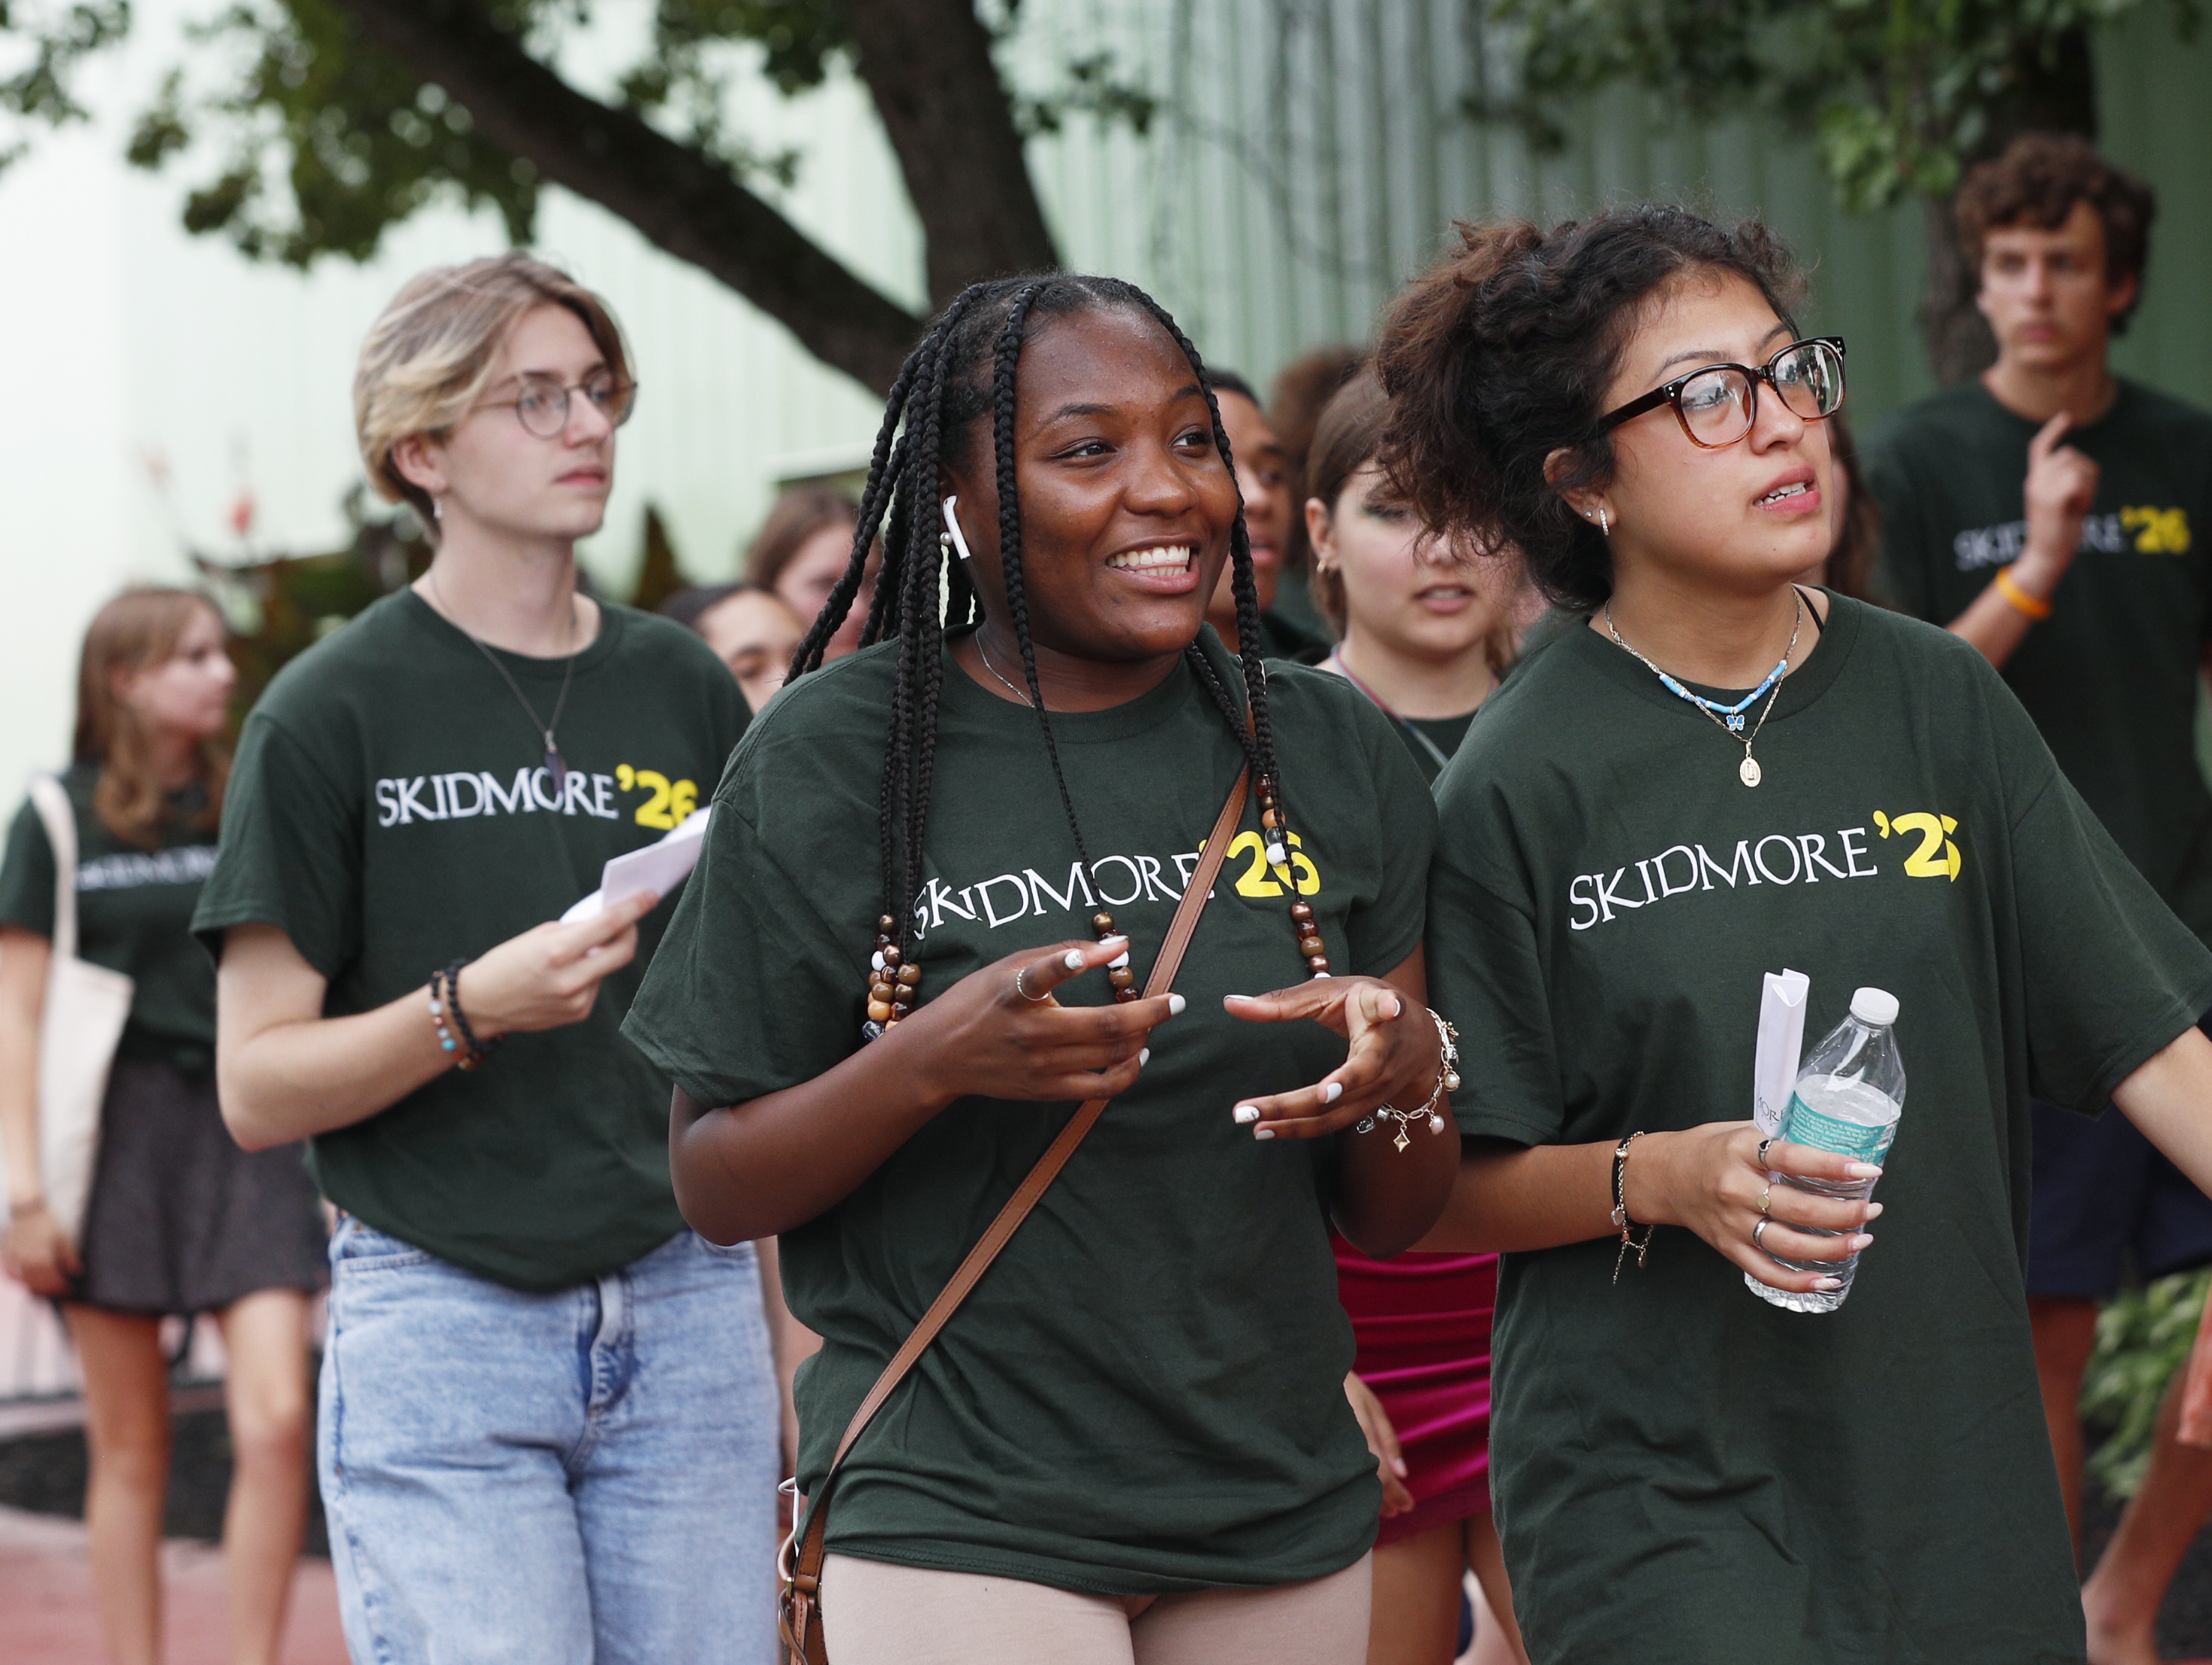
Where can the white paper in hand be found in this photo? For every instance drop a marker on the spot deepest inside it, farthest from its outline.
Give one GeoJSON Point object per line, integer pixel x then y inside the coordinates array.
{"type": "Point", "coordinates": [1781, 1041]}
{"type": "Point", "coordinates": [658, 867]}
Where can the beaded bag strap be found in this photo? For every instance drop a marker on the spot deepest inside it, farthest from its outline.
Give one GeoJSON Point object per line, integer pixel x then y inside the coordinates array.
{"type": "Point", "coordinates": [801, 1605]}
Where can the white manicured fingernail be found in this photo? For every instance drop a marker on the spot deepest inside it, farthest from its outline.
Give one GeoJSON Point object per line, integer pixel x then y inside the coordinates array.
{"type": "Point", "coordinates": [1263, 1133]}
{"type": "Point", "coordinates": [1874, 1210]}
{"type": "Point", "coordinates": [1332, 1092]}
{"type": "Point", "coordinates": [1144, 1056]}
{"type": "Point", "coordinates": [1862, 1170]}
{"type": "Point", "coordinates": [1828, 1282]}
{"type": "Point", "coordinates": [1176, 1004]}
{"type": "Point", "coordinates": [1073, 959]}
{"type": "Point", "coordinates": [1245, 1112]}
{"type": "Point", "coordinates": [1864, 1240]}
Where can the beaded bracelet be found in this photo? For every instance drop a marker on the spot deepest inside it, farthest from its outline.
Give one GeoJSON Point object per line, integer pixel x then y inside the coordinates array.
{"type": "Point", "coordinates": [1446, 1082]}
{"type": "Point", "coordinates": [445, 1000]}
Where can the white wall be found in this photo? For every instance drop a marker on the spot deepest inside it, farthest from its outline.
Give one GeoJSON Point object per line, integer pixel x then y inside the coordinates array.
{"type": "Point", "coordinates": [139, 341]}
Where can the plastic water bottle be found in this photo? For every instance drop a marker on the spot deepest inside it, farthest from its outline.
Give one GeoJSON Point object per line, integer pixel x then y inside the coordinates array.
{"type": "Point", "coordinates": [1849, 1096]}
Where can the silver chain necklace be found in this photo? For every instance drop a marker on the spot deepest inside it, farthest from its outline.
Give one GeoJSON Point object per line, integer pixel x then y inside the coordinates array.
{"type": "Point", "coordinates": [1748, 771]}
{"type": "Point", "coordinates": [556, 765]}
{"type": "Point", "coordinates": [983, 654]}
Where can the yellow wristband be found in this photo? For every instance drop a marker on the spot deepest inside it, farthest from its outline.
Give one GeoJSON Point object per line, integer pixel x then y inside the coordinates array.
{"type": "Point", "coordinates": [2034, 606]}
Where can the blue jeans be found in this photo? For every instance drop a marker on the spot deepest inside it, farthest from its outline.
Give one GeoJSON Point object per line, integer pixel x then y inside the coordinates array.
{"type": "Point", "coordinates": [585, 1478]}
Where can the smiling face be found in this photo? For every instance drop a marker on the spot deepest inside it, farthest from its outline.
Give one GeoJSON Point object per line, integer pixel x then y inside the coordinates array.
{"type": "Point", "coordinates": [1263, 476]}
{"type": "Point", "coordinates": [2045, 293]}
{"type": "Point", "coordinates": [492, 471]}
{"type": "Point", "coordinates": [1126, 503]}
{"type": "Point", "coordinates": [1409, 593]}
{"type": "Point", "coordinates": [1744, 517]}
{"type": "Point", "coordinates": [188, 693]}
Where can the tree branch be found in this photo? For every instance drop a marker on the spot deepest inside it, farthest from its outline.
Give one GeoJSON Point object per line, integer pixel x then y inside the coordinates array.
{"type": "Point", "coordinates": [683, 202]}
{"type": "Point", "coordinates": [927, 64]}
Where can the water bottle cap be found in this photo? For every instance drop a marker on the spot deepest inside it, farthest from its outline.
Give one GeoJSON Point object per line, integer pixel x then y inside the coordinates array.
{"type": "Point", "coordinates": [1873, 1005]}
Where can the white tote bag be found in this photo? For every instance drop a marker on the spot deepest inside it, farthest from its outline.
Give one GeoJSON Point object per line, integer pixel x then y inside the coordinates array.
{"type": "Point", "coordinates": [86, 1007]}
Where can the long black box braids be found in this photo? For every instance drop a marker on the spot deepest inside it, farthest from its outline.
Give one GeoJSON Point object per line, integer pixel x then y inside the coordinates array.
{"type": "Point", "coordinates": [920, 592]}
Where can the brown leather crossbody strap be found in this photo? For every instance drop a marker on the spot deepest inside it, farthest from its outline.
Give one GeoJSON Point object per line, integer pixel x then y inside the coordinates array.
{"type": "Point", "coordinates": [808, 1571]}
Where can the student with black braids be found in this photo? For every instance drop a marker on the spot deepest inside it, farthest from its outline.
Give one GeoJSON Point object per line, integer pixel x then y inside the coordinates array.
{"type": "Point", "coordinates": [1132, 1441]}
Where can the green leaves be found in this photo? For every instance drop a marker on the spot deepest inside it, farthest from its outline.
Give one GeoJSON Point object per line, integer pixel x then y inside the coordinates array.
{"type": "Point", "coordinates": [325, 141]}
{"type": "Point", "coordinates": [39, 46]}
{"type": "Point", "coordinates": [2142, 1338]}
{"type": "Point", "coordinates": [1901, 95]}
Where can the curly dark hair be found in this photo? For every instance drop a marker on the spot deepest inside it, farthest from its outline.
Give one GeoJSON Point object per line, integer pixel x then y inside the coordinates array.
{"type": "Point", "coordinates": [1500, 354]}
{"type": "Point", "coordinates": [2037, 181]}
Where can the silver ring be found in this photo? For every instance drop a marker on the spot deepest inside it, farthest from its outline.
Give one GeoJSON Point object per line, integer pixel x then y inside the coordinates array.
{"type": "Point", "coordinates": [1758, 1232]}
{"type": "Point", "coordinates": [1763, 1143]}
{"type": "Point", "coordinates": [1022, 989]}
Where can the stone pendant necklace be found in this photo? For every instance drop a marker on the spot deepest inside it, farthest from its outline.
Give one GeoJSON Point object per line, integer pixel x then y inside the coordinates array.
{"type": "Point", "coordinates": [1730, 718]}
{"type": "Point", "coordinates": [555, 765]}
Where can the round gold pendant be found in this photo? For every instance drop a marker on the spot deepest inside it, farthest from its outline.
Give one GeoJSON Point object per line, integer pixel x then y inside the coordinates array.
{"type": "Point", "coordinates": [1748, 770]}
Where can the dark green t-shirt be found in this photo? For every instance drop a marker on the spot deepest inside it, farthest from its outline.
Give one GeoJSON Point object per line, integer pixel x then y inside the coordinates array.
{"type": "Point", "coordinates": [133, 911]}
{"type": "Point", "coordinates": [1685, 1475]}
{"type": "Point", "coordinates": [2111, 677]}
{"type": "Point", "coordinates": [1282, 636]}
{"type": "Point", "coordinates": [1145, 1394]}
{"type": "Point", "coordinates": [390, 813]}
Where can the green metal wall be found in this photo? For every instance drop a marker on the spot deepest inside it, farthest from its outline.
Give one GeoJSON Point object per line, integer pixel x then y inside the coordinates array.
{"type": "Point", "coordinates": [1311, 155]}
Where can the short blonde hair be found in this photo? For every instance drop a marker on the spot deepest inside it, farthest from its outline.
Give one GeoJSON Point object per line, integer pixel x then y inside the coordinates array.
{"type": "Point", "coordinates": [428, 359]}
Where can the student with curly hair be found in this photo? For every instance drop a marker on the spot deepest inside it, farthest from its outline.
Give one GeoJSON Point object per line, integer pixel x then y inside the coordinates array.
{"type": "Point", "coordinates": [1132, 1436]}
{"type": "Point", "coordinates": [2059, 517]}
{"type": "Point", "coordinates": [1721, 772]}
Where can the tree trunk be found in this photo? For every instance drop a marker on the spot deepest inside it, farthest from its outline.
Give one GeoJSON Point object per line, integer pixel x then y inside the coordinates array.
{"type": "Point", "coordinates": [681, 200]}
{"type": "Point", "coordinates": [2054, 90]}
{"type": "Point", "coordinates": [927, 64]}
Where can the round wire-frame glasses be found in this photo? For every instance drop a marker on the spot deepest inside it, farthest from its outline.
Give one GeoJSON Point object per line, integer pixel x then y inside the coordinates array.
{"type": "Point", "coordinates": [541, 405]}
{"type": "Point", "coordinates": [1717, 403]}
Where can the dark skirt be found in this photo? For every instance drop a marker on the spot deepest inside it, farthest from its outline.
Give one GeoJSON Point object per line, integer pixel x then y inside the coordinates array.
{"type": "Point", "coordinates": [180, 1220]}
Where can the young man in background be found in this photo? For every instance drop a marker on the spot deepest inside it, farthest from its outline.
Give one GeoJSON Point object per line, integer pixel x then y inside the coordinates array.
{"type": "Point", "coordinates": [2059, 517]}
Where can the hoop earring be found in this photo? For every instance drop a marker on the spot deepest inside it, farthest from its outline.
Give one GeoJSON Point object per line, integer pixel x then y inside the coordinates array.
{"type": "Point", "coordinates": [950, 538]}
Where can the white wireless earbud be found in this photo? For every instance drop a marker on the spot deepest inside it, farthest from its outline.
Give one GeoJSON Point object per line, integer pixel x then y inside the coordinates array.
{"type": "Point", "coordinates": [952, 527]}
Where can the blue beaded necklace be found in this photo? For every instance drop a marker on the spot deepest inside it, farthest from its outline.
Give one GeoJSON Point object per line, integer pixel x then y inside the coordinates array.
{"type": "Point", "coordinates": [1730, 717]}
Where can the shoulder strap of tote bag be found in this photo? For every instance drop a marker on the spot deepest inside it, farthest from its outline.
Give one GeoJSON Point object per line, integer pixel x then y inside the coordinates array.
{"type": "Point", "coordinates": [801, 1604]}
{"type": "Point", "coordinates": [52, 800]}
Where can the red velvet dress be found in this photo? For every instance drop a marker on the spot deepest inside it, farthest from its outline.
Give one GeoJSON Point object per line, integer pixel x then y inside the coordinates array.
{"type": "Point", "coordinates": [1422, 1322]}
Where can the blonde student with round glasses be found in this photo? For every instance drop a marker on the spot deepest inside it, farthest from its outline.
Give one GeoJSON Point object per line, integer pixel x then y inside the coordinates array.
{"type": "Point", "coordinates": [1718, 774]}
{"type": "Point", "coordinates": [549, 1425]}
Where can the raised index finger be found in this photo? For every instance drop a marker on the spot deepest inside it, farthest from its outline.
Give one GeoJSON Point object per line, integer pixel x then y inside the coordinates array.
{"type": "Point", "coordinates": [2047, 436]}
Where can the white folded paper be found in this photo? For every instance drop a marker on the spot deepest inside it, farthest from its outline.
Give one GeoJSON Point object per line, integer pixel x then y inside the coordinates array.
{"type": "Point", "coordinates": [659, 867]}
{"type": "Point", "coordinates": [1781, 1040]}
